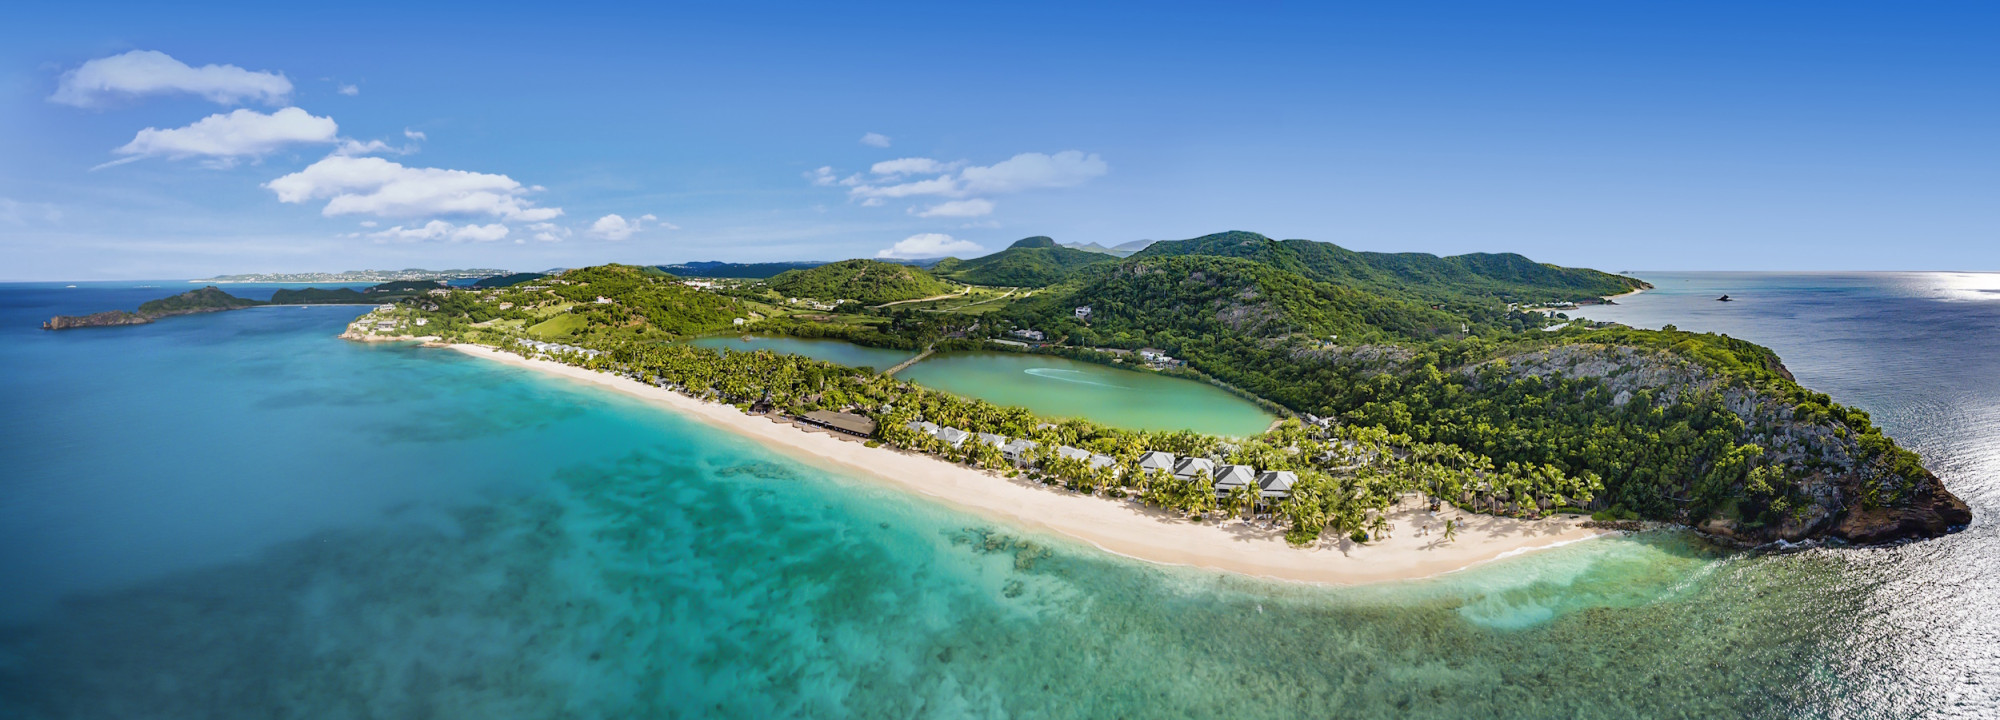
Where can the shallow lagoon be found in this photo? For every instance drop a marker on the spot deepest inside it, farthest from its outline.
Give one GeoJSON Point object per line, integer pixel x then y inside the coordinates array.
{"type": "Point", "coordinates": [1061, 387]}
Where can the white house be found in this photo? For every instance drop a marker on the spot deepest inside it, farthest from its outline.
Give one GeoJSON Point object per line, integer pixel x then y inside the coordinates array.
{"type": "Point", "coordinates": [739, 322]}
{"type": "Point", "coordinates": [998, 441]}
{"type": "Point", "coordinates": [1035, 335]}
{"type": "Point", "coordinates": [602, 300]}
{"type": "Point", "coordinates": [953, 436]}
{"type": "Point", "coordinates": [1187, 467]}
{"type": "Point", "coordinates": [1230, 477]}
{"type": "Point", "coordinates": [1017, 451]}
{"type": "Point", "coordinates": [1077, 454]}
{"type": "Point", "coordinates": [921, 426]}
{"type": "Point", "coordinates": [1156, 461]}
{"type": "Point", "coordinates": [1083, 312]}
{"type": "Point", "coordinates": [1276, 485]}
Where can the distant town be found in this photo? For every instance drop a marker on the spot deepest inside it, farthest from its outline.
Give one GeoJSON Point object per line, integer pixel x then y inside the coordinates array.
{"type": "Point", "coordinates": [356, 276]}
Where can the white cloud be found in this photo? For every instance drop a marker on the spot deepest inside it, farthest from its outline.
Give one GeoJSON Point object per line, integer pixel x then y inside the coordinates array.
{"type": "Point", "coordinates": [441, 230]}
{"type": "Point", "coordinates": [369, 223]}
{"type": "Point", "coordinates": [417, 135]}
{"type": "Point", "coordinates": [1029, 171]}
{"type": "Point", "coordinates": [616, 227]}
{"type": "Point", "coordinates": [1026, 171]}
{"type": "Point", "coordinates": [350, 90]}
{"type": "Point", "coordinates": [147, 72]}
{"type": "Point", "coordinates": [875, 140]}
{"type": "Point", "coordinates": [912, 166]}
{"type": "Point", "coordinates": [927, 245]}
{"type": "Point", "coordinates": [227, 138]}
{"type": "Point", "coordinates": [823, 176]}
{"type": "Point", "coordinates": [374, 186]}
{"type": "Point", "coordinates": [957, 209]}
{"type": "Point", "coordinates": [356, 147]}
{"type": "Point", "coordinates": [550, 232]}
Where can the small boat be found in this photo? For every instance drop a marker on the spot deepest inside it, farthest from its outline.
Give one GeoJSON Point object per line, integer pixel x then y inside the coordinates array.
{"type": "Point", "coordinates": [1724, 298]}
{"type": "Point", "coordinates": [69, 286]}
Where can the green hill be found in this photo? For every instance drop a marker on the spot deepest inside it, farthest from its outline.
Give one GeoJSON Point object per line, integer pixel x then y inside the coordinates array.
{"type": "Point", "coordinates": [641, 298]}
{"type": "Point", "coordinates": [204, 299]}
{"type": "Point", "coordinates": [868, 281]}
{"type": "Point", "coordinates": [1031, 262]}
{"type": "Point", "coordinates": [1422, 276]}
{"type": "Point", "coordinates": [500, 281]}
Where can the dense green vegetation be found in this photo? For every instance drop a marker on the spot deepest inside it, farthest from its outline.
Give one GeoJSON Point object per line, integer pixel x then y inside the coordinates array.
{"type": "Point", "coordinates": [1416, 276]}
{"type": "Point", "coordinates": [1031, 262]}
{"type": "Point", "coordinates": [753, 271]}
{"type": "Point", "coordinates": [867, 281]}
{"type": "Point", "coordinates": [1409, 358]}
{"type": "Point", "coordinates": [500, 281]}
{"type": "Point", "coordinates": [197, 300]}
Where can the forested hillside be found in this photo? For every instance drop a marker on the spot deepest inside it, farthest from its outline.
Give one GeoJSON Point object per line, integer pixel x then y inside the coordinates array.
{"type": "Point", "coordinates": [1030, 262]}
{"type": "Point", "coordinates": [868, 281]}
{"type": "Point", "coordinates": [1505, 276]}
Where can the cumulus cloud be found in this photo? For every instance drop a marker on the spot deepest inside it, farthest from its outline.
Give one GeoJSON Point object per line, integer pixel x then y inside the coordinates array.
{"type": "Point", "coordinates": [875, 140]}
{"type": "Point", "coordinates": [1029, 171]}
{"type": "Point", "coordinates": [911, 166]}
{"type": "Point", "coordinates": [350, 90]}
{"type": "Point", "coordinates": [550, 232]}
{"type": "Point", "coordinates": [956, 209]}
{"type": "Point", "coordinates": [227, 138]}
{"type": "Point", "coordinates": [441, 230]}
{"type": "Point", "coordinates": [927, 245]}
{"type": "Point", "coordinates": [1026, 171]}
{"type": "Point", "coordinates": [823, 176]}
{"type": "Point", "coordinates": [417, 135]}
{"type": "Point", "coordinates": [616, 227]}
{"type": "Point", "coordinates": [138, 73]}
{"type": "Point", "coordinates": [374, 186]}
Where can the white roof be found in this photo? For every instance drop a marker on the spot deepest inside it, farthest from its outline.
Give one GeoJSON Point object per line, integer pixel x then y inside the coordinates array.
{"type": "Point", "coordinates": [1189, 466]}
{"type": "Point", "coordinates": [927, 428]}
{"type": "Point", "coordinates": [1230, 476]}
{"type": "Point", "coordinates": [1097, 461]}
{"type": "Point", "coordinates": [1073, 453]}
{"type": "Point", "coordinates": [1156, 460]}
{"type": "Point", "coordinates": [1277, 483]}
{"type": "Point", "coordinates": [953, 435]}
{"type": "Point", "coordinates": [994, 440]}
{"type": "Point", "coordinates": [1021, 445]}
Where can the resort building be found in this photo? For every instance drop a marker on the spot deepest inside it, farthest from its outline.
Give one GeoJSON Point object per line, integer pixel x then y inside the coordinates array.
{"type": "Point", "coordinates": [1189, 466]}
{"type": "Point", "coordinates": [920, 426]}
{"type": "Point", "coordinates": [1083, 312]}
{"type": "Point", "coordinates": [1077, 454]}
{"type": "Point", "coordinates": [1276, 485]}
{"type": "Point", "coordinates": [1018, 450]}
{"type": "Point", "coordinates": [1156, 461]}
{"type": "Point", "coordinates": [850, 423]}
{"type": "Point", "coordinates": [953, 436]}
{"type": "Point", "coordinates": [1101, 460]}
{"type": "Point", "coordinates": [1231, 477]}
{"type": "Point", "coordinates": [1035, 335]}
{"type": "Point", "coordinates": [998, 441]}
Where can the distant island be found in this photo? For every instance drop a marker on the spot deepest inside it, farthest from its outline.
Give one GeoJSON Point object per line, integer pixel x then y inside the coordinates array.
{"type": "Point", "coordinates": [354, 276]}
{"type": "Point", "coordinates": [213, 299]}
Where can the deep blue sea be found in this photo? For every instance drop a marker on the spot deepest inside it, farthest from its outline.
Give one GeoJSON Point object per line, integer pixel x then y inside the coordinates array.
{"type": "Point", "coordinates": [238, 515]}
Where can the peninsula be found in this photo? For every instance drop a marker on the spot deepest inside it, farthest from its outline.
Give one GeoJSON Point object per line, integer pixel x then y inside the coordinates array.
{"type": "Point", "coordinates": [1409, 379]}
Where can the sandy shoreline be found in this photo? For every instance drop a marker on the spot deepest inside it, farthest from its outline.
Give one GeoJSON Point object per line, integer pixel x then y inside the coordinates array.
{"type": "Point", "coordinates": [1115, 526]}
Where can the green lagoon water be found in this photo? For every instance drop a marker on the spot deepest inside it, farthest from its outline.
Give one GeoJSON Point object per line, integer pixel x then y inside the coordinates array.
{"type": "Point", "coordinates": [834, 351]}
{"type": "Point", "coordinates": [1060, 387]}
{"type": "Point", "coordinates": [236, 515]}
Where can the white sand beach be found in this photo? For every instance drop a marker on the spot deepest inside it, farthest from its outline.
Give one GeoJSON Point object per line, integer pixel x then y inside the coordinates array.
{"type": "Point", "coordinates": [1118, 526]}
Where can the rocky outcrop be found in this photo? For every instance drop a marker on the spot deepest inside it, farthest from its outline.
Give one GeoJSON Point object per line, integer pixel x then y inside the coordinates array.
{"type": "Point", "coordinates": [1831, 479]}
{"type": "Point", "coordinates": [204, 300]}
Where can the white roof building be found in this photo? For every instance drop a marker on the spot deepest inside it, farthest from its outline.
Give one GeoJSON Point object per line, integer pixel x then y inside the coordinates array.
{"type": "Point", "coordinates": [1156, 460]}
{"type": "Point", "coordinates": [1018, 450]}
{"type": "Point", "coordinates": [1276, 484]}
{"type": "Point", "coordinates": [999, 441]}
{"type": "Point", "coordinates": [1189, 466]}
{"type": "Point", "coordinates": [1077, 454]}
{"type": "Point", "coordinates": [1230, 477]}
{"type": "Point", "coordinates": [953, 436]}
{"type": "Point", "coordinates": [921, 426]}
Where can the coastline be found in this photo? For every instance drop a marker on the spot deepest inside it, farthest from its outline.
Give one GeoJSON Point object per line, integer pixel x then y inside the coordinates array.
{"type": "Point", "coordinates": [1120, 527]}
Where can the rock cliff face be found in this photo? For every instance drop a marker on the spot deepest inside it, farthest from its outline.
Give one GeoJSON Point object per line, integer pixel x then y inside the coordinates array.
{"type": "Point", "coordinates": [104, 319]}
{"type": "Point", "coordinates": [1830, 474]}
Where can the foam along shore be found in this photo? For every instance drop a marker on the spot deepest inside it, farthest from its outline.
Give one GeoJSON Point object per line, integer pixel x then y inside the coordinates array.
{"type": "Point", "coordinates": [1122, 527]}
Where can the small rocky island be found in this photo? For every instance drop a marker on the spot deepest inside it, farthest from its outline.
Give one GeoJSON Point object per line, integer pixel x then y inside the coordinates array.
{"type": "Point", "coordinates": [212, 299]}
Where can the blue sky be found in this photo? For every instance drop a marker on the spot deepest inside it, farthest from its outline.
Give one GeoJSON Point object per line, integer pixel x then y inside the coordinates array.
{"type": "Point", "coordinates": [1613, 135]}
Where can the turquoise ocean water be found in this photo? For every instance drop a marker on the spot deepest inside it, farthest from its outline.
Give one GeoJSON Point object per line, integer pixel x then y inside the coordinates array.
{"type": "Point", "coordinates": [237, 515]}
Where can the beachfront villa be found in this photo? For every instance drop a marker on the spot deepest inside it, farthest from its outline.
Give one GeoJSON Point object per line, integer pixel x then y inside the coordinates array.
{"type": "Point", "coordinates": [1018, 450]}
{"type": "Point", "coordinates": [1276, 485]}
{"type": "Point", "coordinates": [1231, 477]}
{"type": "Point", "coordinates": [1189, 466]}
{"type": "Point", "coordinates": [998, 441]}
{"type": "Point", "coordinates": [1156, 461]}
{"type": "Point", "coordinates": [922, 426]}
{"type": "Point", "coordinates": [953, 436]}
